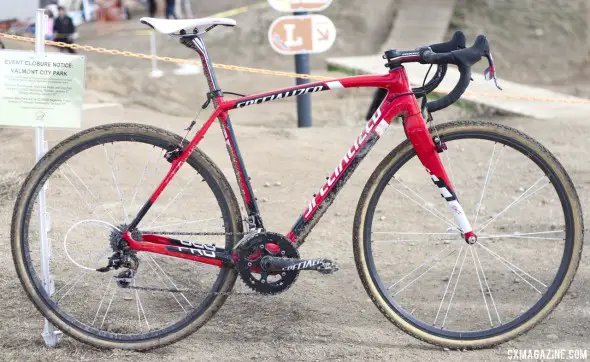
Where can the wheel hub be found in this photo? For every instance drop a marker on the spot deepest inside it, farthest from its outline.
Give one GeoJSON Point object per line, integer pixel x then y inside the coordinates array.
{"type": "Point", "coordinates": [470, 238]}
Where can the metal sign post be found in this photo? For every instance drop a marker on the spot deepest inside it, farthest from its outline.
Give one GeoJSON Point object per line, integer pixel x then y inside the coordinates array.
{"type": "Point", "coordinates": [155, 73]}
{"type": "Point", "coordinates": [28, 81]}
{"type": "Point", "coordinates": [301, 35]}
{"type": "Point", "coordinates": [50, 333]}
{"type": "Point", "coordinates": [303, 101]}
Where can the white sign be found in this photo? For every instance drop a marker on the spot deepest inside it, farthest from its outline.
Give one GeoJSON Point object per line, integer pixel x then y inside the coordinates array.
{"type": "Point", "coordinates": [305, 34]}
{"type": "Point", "coordinates": [41, 90]}
{"type": "Point", "coordinates": [291, 6]}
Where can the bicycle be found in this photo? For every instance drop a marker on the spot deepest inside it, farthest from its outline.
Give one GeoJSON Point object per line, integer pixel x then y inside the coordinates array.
{"type": "Point", "coordinates": [133, 271]}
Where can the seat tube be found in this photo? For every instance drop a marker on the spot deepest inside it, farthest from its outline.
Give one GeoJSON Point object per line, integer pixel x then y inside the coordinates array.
{"type": "Point", "coordinates": [254, 218]}
{"type": "Point", "coordinates": [427, 152]}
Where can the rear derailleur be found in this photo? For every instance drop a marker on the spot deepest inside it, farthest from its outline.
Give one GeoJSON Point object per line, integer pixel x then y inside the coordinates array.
{"type": "Point", "coordinates": [122, 259]}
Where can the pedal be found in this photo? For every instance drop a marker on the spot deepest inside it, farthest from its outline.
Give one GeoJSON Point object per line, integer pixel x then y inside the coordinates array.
{"type": "Point", "coordinates": [328, 267]}
{"type": "Point", "coordinates": [276, 264]}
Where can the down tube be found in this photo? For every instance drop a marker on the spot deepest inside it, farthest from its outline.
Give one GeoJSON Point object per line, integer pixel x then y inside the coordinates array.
{"type": "Point", "coordinates": [374, 128]}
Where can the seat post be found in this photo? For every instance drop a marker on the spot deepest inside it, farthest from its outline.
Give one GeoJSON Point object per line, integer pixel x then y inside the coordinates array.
{"type": "Point", "coordinates": [198, 44]}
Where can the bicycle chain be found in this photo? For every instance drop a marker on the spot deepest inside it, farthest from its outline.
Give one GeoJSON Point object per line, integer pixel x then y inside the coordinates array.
{"type": "Point", "coordinates": [202, 233]}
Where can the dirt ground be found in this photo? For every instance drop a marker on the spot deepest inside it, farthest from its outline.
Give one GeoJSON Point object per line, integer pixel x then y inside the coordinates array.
{"type": "Point", "coordinates": [320, 317]}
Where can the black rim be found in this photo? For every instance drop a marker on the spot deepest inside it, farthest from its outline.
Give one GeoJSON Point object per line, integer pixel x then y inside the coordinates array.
{"type": "Point", "coordinates": [109, 336]}
{"type": "Point", "coordinates": [532, 311]}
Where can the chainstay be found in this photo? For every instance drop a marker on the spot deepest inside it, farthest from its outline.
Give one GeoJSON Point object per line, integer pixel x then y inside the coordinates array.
{"type": "Point", "coordinates": [194, 233]}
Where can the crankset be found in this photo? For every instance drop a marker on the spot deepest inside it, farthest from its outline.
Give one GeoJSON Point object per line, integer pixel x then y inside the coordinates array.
{"type": "Point", "coordinates": [250, 255]}
{"type": "Point", "coordinates": [269, 263]}
{"type": "Point", "coordinates": [274, 264]}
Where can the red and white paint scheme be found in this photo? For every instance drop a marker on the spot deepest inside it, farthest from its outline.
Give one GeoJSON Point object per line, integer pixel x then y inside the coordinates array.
{"type": "Point", "coordinates": [376, 124]}
{"type": "Point", "coordinates": [399, 101]}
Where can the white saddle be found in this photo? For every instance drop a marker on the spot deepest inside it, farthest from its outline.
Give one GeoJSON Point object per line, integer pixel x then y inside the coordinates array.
{"type": "Point", "coordinates": [167, 26]}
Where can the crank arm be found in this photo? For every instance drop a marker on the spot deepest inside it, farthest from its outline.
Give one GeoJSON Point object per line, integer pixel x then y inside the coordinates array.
{"type": "Point", "coordinates": [276, 264]}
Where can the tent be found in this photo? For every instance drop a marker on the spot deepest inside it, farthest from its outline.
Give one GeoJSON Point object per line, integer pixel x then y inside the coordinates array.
{"type": "Point", "coordinates": [21, 9]}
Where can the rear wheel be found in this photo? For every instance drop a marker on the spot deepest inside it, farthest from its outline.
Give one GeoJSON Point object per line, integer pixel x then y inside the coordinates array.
{"type": "Point", "coordinates": [96, 181]}
{"type": "Point", "coordinates": [422, 275]}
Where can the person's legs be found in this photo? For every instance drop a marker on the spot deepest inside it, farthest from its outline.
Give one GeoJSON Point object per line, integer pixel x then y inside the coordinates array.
{"type": "Point", "coordinates": [173, 10]}
{"type": "Point", "coordinates": [67, 41]}
{"type": "Point", "coordinates": [170, 11]}
{"type": "Point", "coordinates": [152, 4]}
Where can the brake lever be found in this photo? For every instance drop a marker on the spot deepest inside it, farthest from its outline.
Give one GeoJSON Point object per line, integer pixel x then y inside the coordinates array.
{"type": "Point", "coordinates": [490, 72]}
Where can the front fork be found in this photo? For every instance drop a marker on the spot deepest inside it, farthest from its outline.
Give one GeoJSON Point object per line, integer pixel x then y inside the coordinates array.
{"type": "Point", "coordinates": [427, 151]}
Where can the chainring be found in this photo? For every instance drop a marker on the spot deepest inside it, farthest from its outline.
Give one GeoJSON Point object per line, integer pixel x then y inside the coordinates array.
{"type": "Point", "coordinates": [250, 255]}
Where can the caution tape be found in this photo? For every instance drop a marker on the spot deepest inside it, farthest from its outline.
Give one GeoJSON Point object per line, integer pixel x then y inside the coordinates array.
{"type": "Point", "coordinates": [238, 68]}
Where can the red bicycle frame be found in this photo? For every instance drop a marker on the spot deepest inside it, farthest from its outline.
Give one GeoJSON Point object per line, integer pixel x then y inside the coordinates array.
{"type": "Point", "coordinates": [400, 101]}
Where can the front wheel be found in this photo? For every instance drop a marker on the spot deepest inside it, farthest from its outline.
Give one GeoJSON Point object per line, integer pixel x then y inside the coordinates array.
{"type": "Point", "coordinates": [415, 264]}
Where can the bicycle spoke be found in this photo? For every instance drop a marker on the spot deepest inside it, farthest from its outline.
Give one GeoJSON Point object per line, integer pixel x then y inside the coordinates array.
{"type": "Point", "coordinates": [113, 167]}
{"type": "Point", "coordinates": [75, 282]}
{"type": "Point", "coordinates": [406, 240]}
{"type": "Point", "coordinates": [518, 235]}
{"type": "Point", "coordinates": [60, 214]}
{"type": "Point", "coordinates": [508, 264]}
{"type": "Point", "coordinates": [173, 199]}
{"type": "Point", "coordinates": [84, 215]}
{"type": "Point", "coordinates": [515, 237]}
{"type": "Point", "coordinates": [454, 290]}
{"type": "Point", "coordinates": [166, 286]}
{"type": "Point", "coordinates": [433, 211]}
{"type": "Point", "coordinates": [141, 177]}
{"type": "Point", "coordinates": [426, 271]}
{"type": "Point", "coordinates": [488, 286]}
{"type": "Point", "coordinates": [483, 294]}
{"type": "Point", "coordinates": [419, 266]}
{"type": "Point", "coordinates": [89, 206]}
{"type": "Point", "coordinates": [450, 166]}
{"type": "Point", "coordinates": [485, 185]}
{"type": "Point", "coordinates": [102, 300]}
{"type": "Point", "coordinates": [140, 306]}
{"type": "Point", "coordinates": [94, 198]}
{"type": "Point", "coordinates": [170, 279]}
{"type": "Point", "coordinates": [447, 287]}
{"type": "Point", "coordinates": [80, 277]}
{"type": "Point", "coordinates": [518, 200]}
{"type": "Point", "coordinates": [411, 234]}
{"type": "Point", "coordinates": [108, 307]}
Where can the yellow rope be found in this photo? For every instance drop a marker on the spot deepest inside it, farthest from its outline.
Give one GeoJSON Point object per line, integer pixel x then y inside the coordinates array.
{"type": "Point", "coordinates": [238, 68]}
